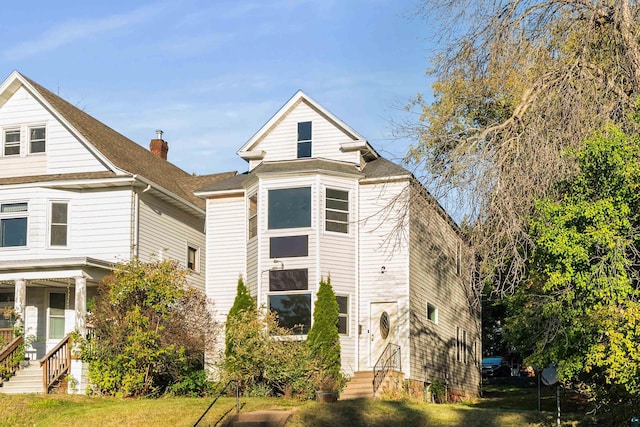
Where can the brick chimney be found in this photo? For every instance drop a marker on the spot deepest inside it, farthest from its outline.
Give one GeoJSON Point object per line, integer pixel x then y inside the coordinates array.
{"type": "Point", "coordinates": [159, 146]}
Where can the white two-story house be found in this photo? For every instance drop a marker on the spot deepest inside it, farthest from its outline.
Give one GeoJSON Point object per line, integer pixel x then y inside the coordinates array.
{"type": "Point", "coordinates": [75, 198]}
{"type": "Point", "coordinates": [319, 201]}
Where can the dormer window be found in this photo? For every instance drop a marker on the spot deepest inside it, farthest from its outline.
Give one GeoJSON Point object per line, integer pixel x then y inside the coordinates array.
{"type": "Point", "coordinates": [304, 139]}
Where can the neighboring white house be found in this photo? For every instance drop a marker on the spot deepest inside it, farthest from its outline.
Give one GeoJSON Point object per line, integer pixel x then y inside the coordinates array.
{"type": "Point", "coordinates": [75, 198]}
{"type": "Point", "coordinates": [319, 201]}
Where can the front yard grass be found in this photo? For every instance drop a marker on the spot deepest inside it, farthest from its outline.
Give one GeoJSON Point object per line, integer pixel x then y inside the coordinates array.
{"type": "Point", "coordinates": [507, 402]}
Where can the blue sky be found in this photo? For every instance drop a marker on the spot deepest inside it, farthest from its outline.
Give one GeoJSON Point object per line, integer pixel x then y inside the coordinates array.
{"type": "Point", "coordinates": [211, 73]}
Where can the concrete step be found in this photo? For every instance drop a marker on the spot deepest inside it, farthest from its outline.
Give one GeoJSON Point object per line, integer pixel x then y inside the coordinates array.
{"type": "Point", "coordinates": [258, 419]}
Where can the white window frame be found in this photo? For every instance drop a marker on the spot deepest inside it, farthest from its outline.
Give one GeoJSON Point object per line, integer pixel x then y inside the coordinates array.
{"type": "Point", "coordinates": [328, 209]}
{"type": "Point", "coordinates": [15, 215]}
{"type": "Point", "coordinates": [31, 141]}
{"type": "Point", "coordinates": [64, 316]}
{"type": "Point", "coordinates": [6, 144]}
{"type": "Point", "coordinates": [51, 224]}
{"type": "Point", "coordinates": [345, 315]}
{"type": "Point", "coordinates": [196, 261]}
{"type": "Point", "coordinates": [435, 310]}
{"type": "Point", "coordinates": [304, 141]}
{"type": "Point", "coordinates": [252, 216]}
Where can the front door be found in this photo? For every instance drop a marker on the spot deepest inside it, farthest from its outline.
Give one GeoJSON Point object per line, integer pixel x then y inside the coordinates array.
{"type": "Point", "coordinates": [383, 328]}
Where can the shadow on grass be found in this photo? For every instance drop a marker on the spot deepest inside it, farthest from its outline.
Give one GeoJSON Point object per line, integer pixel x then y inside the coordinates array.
{"type": "Point", "coordinates": [376, 413]}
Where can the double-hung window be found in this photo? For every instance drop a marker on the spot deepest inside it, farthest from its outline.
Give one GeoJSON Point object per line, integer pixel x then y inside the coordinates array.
{"type": "Point", "coordinates": [304, 139]}
{"type": "Point", "coordinates": [337, 210]}
{"type": "Point", "coordinates": [37, 139]}
{"type": "Point", "coordinates": [12, 142]}
{"type": "Point", "coordinates": [290, 300]}
{"type": "Point", "coordinates": [58, 235]}
{"type": "Point", "coordinates": [13, 224]}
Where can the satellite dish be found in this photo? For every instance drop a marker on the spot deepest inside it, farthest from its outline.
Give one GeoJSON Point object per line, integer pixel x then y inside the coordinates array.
{"type": "Point", "coordinates": [549, 375]}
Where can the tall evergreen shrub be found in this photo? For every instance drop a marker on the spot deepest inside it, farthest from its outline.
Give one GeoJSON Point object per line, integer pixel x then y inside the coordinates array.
{"type": "Point", "coordinates": [242, 303]}
{"type": "Point", "coordinates": [323, 338]}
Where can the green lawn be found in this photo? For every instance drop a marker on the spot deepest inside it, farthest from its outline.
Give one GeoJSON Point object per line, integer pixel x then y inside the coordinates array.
{"type": "Point", "coordinates": [506, 404]}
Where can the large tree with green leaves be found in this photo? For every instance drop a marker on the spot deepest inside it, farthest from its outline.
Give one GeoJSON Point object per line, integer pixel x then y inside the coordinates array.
{"type": "Point", "coordinates": [517, 83]}
{"type": "Point", "coordinates": [150, 332]}
{"type": "Point", "coordinates": [579, 305]}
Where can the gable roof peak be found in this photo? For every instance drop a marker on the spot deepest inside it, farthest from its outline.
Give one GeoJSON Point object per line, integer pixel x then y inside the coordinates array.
{"type": "Point", "coordinates": [297, 98]}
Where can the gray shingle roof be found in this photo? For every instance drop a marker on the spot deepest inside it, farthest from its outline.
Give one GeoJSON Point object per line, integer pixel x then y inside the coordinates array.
{"type": "Point", "coordinates": [379, 168]}
{"type": "Point", "coordinates": [126, 154]}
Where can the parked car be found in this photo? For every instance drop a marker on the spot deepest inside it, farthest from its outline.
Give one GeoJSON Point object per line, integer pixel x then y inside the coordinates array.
{"type": "Point", "coordinates": [495, 366]}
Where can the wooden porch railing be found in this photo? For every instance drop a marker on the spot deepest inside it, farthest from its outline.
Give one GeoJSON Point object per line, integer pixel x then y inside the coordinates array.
{"type": "Point", "coordinates": [8, 364]}
{"type": "Point", "coordinates": [56, 363]}
{"type": "Point", "coordinates": [6, 336]}
{"type": "Point", "coordinates": [389, 359]}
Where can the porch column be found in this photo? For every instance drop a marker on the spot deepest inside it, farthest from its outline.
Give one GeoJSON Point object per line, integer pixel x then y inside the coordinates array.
{"type": "Point", "coordinates": [81, 304]}
{"type": "Point", "coordinates": [20, 297]}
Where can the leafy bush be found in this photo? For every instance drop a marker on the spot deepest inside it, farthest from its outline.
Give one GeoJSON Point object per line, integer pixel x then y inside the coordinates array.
{"type": "Point", "coordinates": [150, 332]}
{"type": "Point", "coordinates": [263, 355]}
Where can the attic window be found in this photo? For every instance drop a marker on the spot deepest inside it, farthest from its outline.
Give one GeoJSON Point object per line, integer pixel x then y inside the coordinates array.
{"type": "Point", "coordinates": [37, 139]}
{"type": "Point", "coordinates": [12, 142]}
{"type": "Point", "coordinates": [304, 139]}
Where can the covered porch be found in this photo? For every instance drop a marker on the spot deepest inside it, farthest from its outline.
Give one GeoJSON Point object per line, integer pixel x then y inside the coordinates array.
{"type": "Point", "coordinates": [48, 298]}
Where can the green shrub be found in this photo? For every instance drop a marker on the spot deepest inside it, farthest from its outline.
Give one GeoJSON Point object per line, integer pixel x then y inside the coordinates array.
{"type": "Point", "coordinates": [323, 339]}
{"type": "Point", "coordinates": [150, 332]}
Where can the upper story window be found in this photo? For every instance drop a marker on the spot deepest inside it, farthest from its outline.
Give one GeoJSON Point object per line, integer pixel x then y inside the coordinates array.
{"type": "Point", "coordinates": [337, 210]}
{"type": "Point", "coordinates": [290, 208]}
{"type": "Point", "coordinates": [13, 224]}
{"type": "Point", "coordinates": [12, 142]}
{"type": "Point", "coordinates": [304, 139]}
{"type": "Point", "coordinates": [253, 216]}
{"type": "Point", "coordinates": [59, 224]}
{"type": "Point", "coordinates": [37, 139]}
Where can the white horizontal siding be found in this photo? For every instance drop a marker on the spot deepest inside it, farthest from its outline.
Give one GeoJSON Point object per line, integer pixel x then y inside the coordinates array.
{"type": "Point", "coordinates": [64, 153]}
{"type": "Point", "coordinates": [226, 251]}
{"type": "Point", "coordinates": [281, 143]}
{"type": "Point", "coordinates": [383, 243]}
{"type": "Point", "coordinates": [99, 224]}
{"type": "Point", "coordinates": [167, 231]}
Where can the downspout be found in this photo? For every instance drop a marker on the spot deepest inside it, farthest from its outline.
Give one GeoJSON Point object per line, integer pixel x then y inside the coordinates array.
{"type": "Point", "coordinates": [357, 275]}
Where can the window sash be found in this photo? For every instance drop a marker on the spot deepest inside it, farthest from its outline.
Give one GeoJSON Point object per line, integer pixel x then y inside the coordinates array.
{"type": "Point", "coordinates": [253, 216]}
{"type": "Point", "coordinates": [57, 305]}
{"type": "Point", "coordinates": [290, 208]}
{"type": "Point", "coordinates": [293, 310]}
{"type": "Point", "coordinates": [337, 210]}
{"type": "Point", "coordinates": [343, 314]}
{"type": "Point", "coordinates": [59, 224]}
{"type": "Point", "coordinates": [13, 232]}
{"type": "Point", "coordinates": [192, 258]}
{"type": "Point", "coordinates": [12, 142]}
{"type": "Point", "coordinates": [37, 140]}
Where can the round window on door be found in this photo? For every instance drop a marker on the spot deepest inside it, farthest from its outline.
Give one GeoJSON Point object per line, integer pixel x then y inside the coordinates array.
{"type": "Point", "coordinates": [384, 325]}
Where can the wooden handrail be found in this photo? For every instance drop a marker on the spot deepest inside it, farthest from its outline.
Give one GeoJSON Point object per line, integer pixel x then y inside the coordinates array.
{"type": "Point", "coordinates": [6, 335]}
{"type": "Point", "coordinates": [7, 356]}
{"type": "Point", "coordinates": [57, 363]}
{"type": "Point", "coordinates": [389, 359]}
